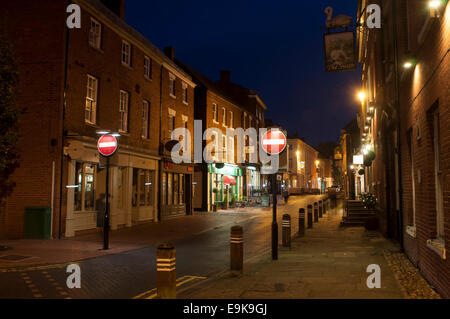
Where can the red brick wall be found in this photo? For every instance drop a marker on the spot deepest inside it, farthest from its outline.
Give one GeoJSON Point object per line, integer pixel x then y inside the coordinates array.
{"type": "Point", "coordinates": [37, 31]}
{"type": "Point", "coordinates": [423, 88]}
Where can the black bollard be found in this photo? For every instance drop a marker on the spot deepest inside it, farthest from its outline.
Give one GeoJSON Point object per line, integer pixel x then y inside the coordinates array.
{"type": "Point", "coordinates": [301, 222]}
{"type": "Point", "coordinates": [310, 216]}
{"type": "Point", "coordinates": [286, 224]}
{"type": "Point", "coordinates": [320, 209]}
{"type": "Point", "coordinates": [316, 212]}
{"type": "Point", "coordinates": [236, 249]}
{"type": "Point", "coordinates": [166, 272]}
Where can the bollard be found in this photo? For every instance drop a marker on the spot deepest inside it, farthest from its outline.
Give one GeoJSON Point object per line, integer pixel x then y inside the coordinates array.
{"type": "Point", "coordinates": [301, 222]}
{"type": "Point", "coordinates": [165, 272]}
{"type": "Point", "coordinates": [286, 230]}
{"type": "Point", "coordinates": [236, 249]}
{"type": "Point", "coordinates": [316, 212]}
{"type": "Point", "coordinates": [310, 216]}
{"type": "Point", "coordinates": [320, 209]}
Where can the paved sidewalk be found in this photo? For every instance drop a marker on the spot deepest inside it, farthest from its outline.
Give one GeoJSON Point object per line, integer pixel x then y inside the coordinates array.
{"type": "Point", "coordinates": [40, 252]}
{"type": "Point", "coordinates": [329, 262]}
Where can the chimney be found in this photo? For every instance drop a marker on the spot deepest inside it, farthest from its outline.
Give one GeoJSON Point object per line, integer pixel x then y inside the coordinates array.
{"type": "Point", "coordinates": [225, 76]}
{"type": "Point", "coordinates": [170, 52]}
{"type": "Point", "coordinates": [116, 6]}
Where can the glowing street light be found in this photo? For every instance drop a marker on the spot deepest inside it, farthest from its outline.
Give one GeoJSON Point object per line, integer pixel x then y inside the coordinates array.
{"type": "Point", "coordinates": [407, 65]}
{"type": "Point", "coordinates": [434, 4]}
{"type": "Point", "coordinates": [361, 96]}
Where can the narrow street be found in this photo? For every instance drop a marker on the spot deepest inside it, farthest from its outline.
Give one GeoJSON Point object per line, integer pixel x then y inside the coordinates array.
{"type": "Point", "coordinates": [132, 273]}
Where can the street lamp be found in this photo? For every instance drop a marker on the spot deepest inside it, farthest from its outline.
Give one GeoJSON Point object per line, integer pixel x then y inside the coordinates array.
{"type": "Point", "coordinates": [361, 96]}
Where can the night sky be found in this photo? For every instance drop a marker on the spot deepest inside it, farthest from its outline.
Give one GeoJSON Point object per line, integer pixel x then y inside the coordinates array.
{"type": "Point", "coordinates": [274, 47]}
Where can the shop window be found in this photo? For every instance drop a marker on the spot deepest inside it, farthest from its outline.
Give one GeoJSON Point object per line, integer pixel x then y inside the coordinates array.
{"type": "Point", "coordinates": [142, 187]}
{"type": "Point", "coordinates": [182, 185]}
{"type": "Point", "coordinates": [84, 196]}
{"type": "Point", "coordinates": [164, 189]}
{"type": "Point", "coordinates": [169, 189]}
{"type": "Point", "coordinates": [175, 189]}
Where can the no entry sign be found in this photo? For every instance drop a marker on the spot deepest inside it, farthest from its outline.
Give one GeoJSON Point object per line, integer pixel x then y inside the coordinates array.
{"type": "Point", "coordinates": [274, 142]}
{"type": "Point", "coordinates": [107, 145]}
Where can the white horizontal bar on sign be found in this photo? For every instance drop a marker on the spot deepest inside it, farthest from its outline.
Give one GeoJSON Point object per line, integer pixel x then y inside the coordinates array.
{"type": "Point", "coordinates": [107, 144]}
{"type": "Point", "coordinates": [273, 142]}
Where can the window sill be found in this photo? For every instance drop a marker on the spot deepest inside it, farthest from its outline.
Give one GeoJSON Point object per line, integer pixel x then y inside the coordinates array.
{"type": "Point", "coordinates": [127, 66]}
{"type": "Point", "coordinates": [96, 49]}
{"type": "Point", "coordinates": [411, 231]}
{"type": "Point", "coordinates": [438, 246]}
{"type": "Point", "coordinates": [215, 122]}
{"type": "Point", "coordinates": [91, 124]}
{"type": "Point", "coordinates": [172, 96]}
{"type": "Point", "coordinates": [148, 79]}
{"type": "Point", "coordinates": [185, 103]}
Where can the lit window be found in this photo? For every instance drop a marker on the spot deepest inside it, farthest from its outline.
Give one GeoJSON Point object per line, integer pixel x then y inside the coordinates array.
{"type": "Point", "coordinates": [224, 117]}
{"type": "Point", "coordinates": [171, 119]}
{"type": "Point", "coordinates": [123, 110]}
{"type": "Point", "coordinates": [84, 194]}
{"type": "Point", "coordinates": [148, 67]}
{"type": "Point", "coordinates": [185, 93]}
{"type": "Point", "coordinates": [172, 83]}
{"type": "Point", "coordinates": [126, 53]}
{"type": "Point", "coordinates": [231, 119]}
{"type": "Point", "coordinates": [95, 34]}
{"type": "Point", "coordinates": [91, 100]}
{"type": "Point", "coordinates": [215, 115]}
{"type": "Point", "coordinates": [224, 148]}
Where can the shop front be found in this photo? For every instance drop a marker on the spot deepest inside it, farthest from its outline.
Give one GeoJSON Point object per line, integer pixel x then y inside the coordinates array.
{"type": "Point", "coordinates": [176, 190]}
{"type": "Point", "coordinates": [252, 181]}
{"type": "Point", "coordinates": [133, 184]}
{"type": "Point", "coordinates": [225, 185]}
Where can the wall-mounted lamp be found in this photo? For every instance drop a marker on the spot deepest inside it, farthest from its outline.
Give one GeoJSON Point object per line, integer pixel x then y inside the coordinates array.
{"type": "Point", "coordinates": [435, 11]}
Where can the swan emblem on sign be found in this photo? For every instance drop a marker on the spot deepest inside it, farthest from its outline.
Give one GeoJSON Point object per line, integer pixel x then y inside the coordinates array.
{"type": "Point", "coordinates": [339, 21]}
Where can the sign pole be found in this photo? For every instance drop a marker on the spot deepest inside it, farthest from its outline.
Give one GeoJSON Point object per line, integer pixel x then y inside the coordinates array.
{"type": "Point", "coordinates": [274, 220]}
{"type": "Point", "coordinates": [106, 220]}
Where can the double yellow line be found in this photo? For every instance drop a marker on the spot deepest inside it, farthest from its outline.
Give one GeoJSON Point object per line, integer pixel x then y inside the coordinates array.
{"type": "Point", "coordinates": [152, 293]}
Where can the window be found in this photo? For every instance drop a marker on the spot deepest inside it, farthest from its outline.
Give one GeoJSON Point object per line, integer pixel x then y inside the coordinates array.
{"type": "Point", "coordinates": [185, 93]}
{"type": "Point", "coordinates": [95, 34]}
{"type": "Point", "coordinates": [250, 121]}
{"type": "Point", "coordinates": [164, 189]}
{"type": "Point", "coordinates": [224, 148]}
{"type": "Point", "coordinates": [172, 82]}
{"type": "Point", "coordinates": [438, 176]}
{"type": "Point", "coordinates": [231, 119]}
{"type": "Point", "coordinates": [224, 117]}
{"type": "Point", "coordinates": [84, 196]}
{"type": "Point", "coordinates": [175, 189]}
{"type": "Point", "coordinates": [244, 121]}
{"type": "Point", "coordinates": [214, 150]}
{"type": "Point", "coordinates": [145, 119]}
{"type": "Point", "coordinates": [169, 189]}
{"type": "Point", "coordinates": [171, 119]}
{"type": "Point", "coordinates": [91, 100]}
{"type": "Point", "coordinates": [215, 115]}
{"type": "Point", "coordinates": [148, 67]}
{"type": "Point", "coordinates": [181, 189]}
{"type": "Point", "coordinates": [126, 53]}
{"type": "Point", "coordinates": [231, 149]}
{"type": "Point", "coordinates": [142, 187]}
{"type": "Point", "coordinates": [123, 110]}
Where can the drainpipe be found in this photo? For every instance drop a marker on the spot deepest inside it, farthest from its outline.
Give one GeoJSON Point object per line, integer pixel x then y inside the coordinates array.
{"type": "Point", "coordinates": [63, 116]}
{"type": "Point", "coordinates": [397, 106]}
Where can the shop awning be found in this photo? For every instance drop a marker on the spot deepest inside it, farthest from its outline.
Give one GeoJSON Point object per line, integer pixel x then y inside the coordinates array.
{"type": "Point", "coordinates": [229, 180]}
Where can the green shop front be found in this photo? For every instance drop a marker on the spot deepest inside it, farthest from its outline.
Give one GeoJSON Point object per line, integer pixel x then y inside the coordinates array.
{"type": "Point", "coordinates": [225, 185]}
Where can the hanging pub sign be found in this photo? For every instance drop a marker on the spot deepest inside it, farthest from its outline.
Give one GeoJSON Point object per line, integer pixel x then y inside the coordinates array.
{"type": "Point", "coordinates": [340, 52]}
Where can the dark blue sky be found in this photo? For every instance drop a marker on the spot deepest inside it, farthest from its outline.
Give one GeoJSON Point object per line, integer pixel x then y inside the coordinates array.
{"type": "Point", "coordinates": [274, 47]}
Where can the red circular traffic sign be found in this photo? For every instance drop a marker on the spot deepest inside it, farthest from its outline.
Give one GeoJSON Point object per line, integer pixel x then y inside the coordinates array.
{"type": "Point", "coordinates": [107, 145]}
{"type": "Point", "coordinates": [274, 142]}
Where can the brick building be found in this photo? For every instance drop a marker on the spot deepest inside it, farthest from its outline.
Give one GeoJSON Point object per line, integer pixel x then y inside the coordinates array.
{"type": "Point", "coordinates": [104, 76]}
{"type": "Point", "coordinates": [406, 118]}
{"type": "Point", "coordinates": [303, 175]}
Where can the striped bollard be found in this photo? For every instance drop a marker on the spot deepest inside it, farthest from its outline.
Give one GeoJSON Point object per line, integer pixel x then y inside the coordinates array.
{"type": "Point", "coordinates": [316, 212]}
{"type": "Point", "coordinates": [166, 272]}
{"type": "Point", "coordinates": [236, 249]}
{"type": "Point", "coordinates": [310, 216]}
{"type": "Point", "coordinates": [320, 209]}
{"type": "Point", "coordinates": [286, 230]}
{"type": "Point", "coordinates": [301, 222]}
